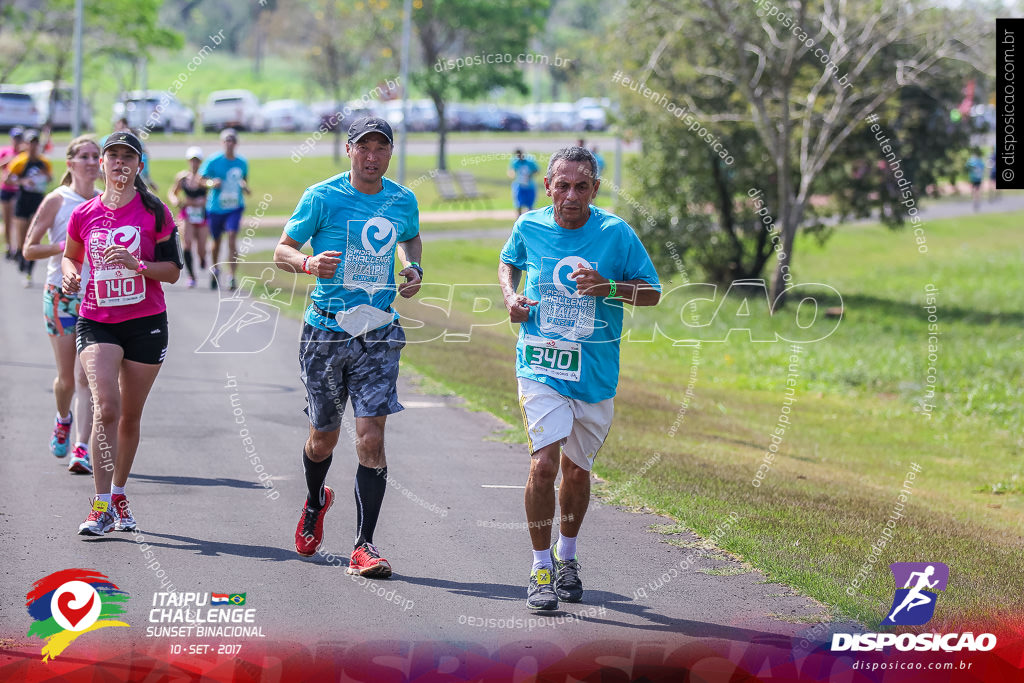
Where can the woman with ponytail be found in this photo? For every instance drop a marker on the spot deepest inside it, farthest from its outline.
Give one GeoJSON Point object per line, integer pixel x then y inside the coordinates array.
{"type": "Point", "coordinates": [129, 239]}
{"type": "Point", "coordinates": [60, 310]}
{"type": "Point", "coordinates": [193, 209]}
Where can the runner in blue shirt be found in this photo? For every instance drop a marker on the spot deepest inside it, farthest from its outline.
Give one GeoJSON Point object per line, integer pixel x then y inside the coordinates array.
{"type": "Point", "coordinates": [581, 264]}
{"type": "Point", "coordinates": [227, 176]}
{"type": "Point", "coordinates": [524, 191]}
{"type": "Point", "coordinates": [351, 339]}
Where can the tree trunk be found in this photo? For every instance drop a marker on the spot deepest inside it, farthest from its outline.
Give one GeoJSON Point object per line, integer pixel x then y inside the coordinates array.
{"type": "Point", "coordinates": [442, 135]}
{"type": "Point", "coordinates": [795, 216]}
{"type": "Point", "coordinates": [257, 58]}
{"type": "Point", "coordinates": [338, 107]}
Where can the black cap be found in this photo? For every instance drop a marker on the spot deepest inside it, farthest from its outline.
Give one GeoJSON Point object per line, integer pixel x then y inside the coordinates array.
{"type": "Point", "coordinates": [367, 125]}
{"type": "Point", "coordinates": [123, 138]}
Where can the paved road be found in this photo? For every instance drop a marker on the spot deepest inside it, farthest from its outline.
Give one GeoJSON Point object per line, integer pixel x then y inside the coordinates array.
{"type": "Point", "coordinates": [457, 543]}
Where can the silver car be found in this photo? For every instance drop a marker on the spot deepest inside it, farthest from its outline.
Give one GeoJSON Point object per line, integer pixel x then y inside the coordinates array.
{"type": "Point", "coordinates": [17, 108]}
{"type": "Point", "coordinates": [154, 110]}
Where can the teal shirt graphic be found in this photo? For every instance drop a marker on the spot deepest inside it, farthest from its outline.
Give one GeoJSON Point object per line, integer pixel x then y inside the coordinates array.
{"type": "Point", "coordinates": [231, 173]}
{"type": "Point", "coordinates": [571, 342]}
{"type": "Point", "coordinates": [365, 228]}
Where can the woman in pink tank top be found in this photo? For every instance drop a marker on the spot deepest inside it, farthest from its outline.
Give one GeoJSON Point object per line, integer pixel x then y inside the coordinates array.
{"type": "Point", "coordinates": [129, 238]}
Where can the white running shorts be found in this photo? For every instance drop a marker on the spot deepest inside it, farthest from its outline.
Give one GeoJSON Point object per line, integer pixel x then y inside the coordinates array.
{"type": "Point", "coordinates": [580, 427]}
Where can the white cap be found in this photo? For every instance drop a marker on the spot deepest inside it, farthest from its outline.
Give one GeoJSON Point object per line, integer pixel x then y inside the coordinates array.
{"type": "Point", "coordinates": [194, 153]}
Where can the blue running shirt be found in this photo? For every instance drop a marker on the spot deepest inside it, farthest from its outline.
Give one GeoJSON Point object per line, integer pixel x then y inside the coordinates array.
{"type": "Point", "coordinates": [334, 216]}
{"type": "Point", "coordinates": [524, 169]}
{"type": "Point", "coordinates": [232, 172]}
{"type": "Point", "coordinates": [571, 342]}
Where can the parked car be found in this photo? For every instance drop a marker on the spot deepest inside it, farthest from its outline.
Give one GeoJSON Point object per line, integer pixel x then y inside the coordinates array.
{"type": "Point", "coordinates": [333, 114]}
{"type": "Point", "coordinates": [562, 116]}
{"type": "Point", "coordinates": [232, 109]}
{"type": "Point", "coordinates": [17, 108]}
{"type": "Point", "coordinates": [154, 110]}
{"type": "Point", "coordinates": [463, 117]}
{"type": "Point", "coordinates": [422, 115]}
{"type": "Point", "coordinates": [501, 119]}
{"type": "Point", "coordinates": [290, 115]}
{"type": "Point", "coordinates": [592, 118]}
{"type": "Point", "coordinates": [61, 114]}
{"type": "Point", "coordinates": [558, 116]}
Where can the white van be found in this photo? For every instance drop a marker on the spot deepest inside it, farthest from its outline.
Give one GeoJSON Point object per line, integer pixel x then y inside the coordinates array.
{"type": "Point", "coordinates": [232, 109]}
{"type": "Point", "coordinates": [60, 116]}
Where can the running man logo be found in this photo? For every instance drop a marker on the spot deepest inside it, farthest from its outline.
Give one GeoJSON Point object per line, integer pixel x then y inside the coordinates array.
{"type": "Point", "coordinates": [247, 320]}
{"type": "Point", "coordinates": [70, 603]}
{"type": "Point", "coordinates": [914, 603]}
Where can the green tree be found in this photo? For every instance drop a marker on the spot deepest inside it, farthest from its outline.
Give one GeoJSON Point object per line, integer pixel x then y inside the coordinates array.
{"type": "Point", "coordinates": [800, 77]}
{"type": "Point", "coordinates": [344, 46]}
{"type": "Point", "coordinates": [477, 30]}
{"type": "Point", "coordinates": [114, 32]}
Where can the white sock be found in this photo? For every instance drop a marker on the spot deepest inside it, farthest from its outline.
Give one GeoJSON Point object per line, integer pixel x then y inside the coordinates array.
{"type": "Point", "coordinates": [566, 548]}
{"type": "Point", "coordinates": [116, 490]}
{"type": "Point", "coordinates": [64, 420]}
{"type": "Point", "coordinates": [82, 444]}
{"type": "Point", "coordinates": [105, 497]}
{"type": "Point", "coordinates": [541, 558]}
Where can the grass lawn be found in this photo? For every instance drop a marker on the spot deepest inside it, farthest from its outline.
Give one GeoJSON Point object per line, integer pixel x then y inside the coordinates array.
{"type": "Point", "coordinates": [855, 426]}
{"type": "Point", "coordinates": [285, 181]}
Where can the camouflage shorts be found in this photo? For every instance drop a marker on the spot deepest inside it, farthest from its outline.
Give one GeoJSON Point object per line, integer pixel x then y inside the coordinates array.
{"type": "Point", "coordinates": [336, 366]}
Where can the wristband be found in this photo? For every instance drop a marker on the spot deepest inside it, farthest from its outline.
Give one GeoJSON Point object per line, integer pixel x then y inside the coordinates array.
{"type": "Point", "coordinates": [142, 267]}
{"type": "Point", "coordinates": [611, 288]}
{"type": "Point", "coordinates": [61, 244]}
{"type": "Point", "coordinates": [304, 269]}
{"type": "Point", "coordinates": [417, 267]}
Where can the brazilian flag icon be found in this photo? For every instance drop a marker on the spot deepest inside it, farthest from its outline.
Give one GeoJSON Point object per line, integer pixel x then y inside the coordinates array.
{"type": "Point", "coordinates": [237, 598]}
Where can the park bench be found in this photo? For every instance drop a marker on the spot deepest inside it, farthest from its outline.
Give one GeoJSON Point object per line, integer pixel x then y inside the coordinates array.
{"type": "Point", "coordinates": [470, 191]}
{"type": "Point", "coordinates": [447, 191]}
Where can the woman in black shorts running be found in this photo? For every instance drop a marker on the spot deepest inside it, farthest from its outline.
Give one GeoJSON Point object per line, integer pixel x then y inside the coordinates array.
{"type": "Point", "coordinates": [130, 241]}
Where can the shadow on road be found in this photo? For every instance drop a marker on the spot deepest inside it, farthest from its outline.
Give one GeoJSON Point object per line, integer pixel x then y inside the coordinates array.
{"type": "Point", "coordinates": [612, 602]}
{"type": "Point", "coordinates": [197, 481]}
{"type": "Point", "coordinates": [214, 548]}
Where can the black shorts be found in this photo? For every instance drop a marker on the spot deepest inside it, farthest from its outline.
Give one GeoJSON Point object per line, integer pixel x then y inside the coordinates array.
{"type": "Point", "coordinates": [27, 203]}
{"type": "Point", "coordinates": [144, 340]}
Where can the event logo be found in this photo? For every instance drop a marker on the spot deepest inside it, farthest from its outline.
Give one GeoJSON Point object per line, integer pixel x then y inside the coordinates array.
{"type": "Point", "coordinates": [382, 239]}
{"type": "Point", "coordinates": [565, 285]}
{"type": "Point", "coordinates": [70, 603]}
{"type": "Point", "coordinates": [563, 311]}
{"type": "Point", "coordinates": [127, 236]}
{"type": "Point", "coordinates": [914, 603]}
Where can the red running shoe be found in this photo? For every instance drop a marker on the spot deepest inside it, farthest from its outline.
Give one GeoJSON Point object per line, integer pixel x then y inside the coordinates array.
{"type": "Point", "coordinates": [366, 561]}
{"type": "Point", "coordinates": [309, 534]}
